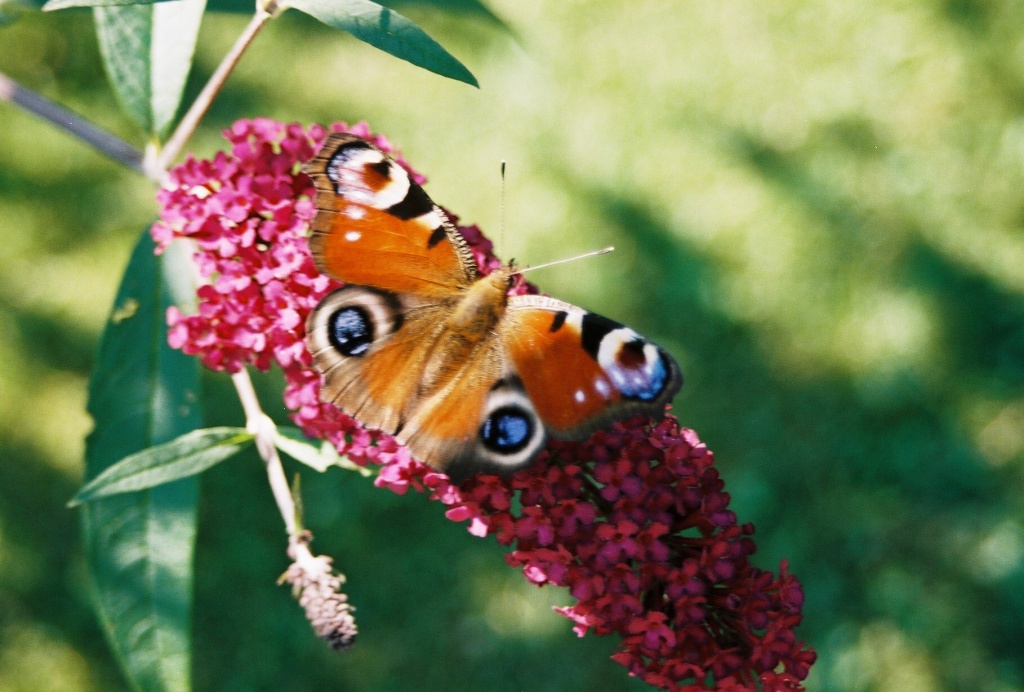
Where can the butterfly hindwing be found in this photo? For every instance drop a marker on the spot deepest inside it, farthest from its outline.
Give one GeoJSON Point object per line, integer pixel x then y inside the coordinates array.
{"type": "Point", "coordinates": [481, 420]}
{"type": "Point", "coordinates": [392, 362]}
{"type": "Point", "coordinates": [371, 346]}
{"type": "Point", "coordinates": [376, 227]}
{"type": "Point", "coordinates": [581, 370]}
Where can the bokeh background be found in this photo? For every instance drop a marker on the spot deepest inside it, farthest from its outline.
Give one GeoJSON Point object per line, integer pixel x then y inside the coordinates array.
{"type": "Point", "coordinates": [818, 209]}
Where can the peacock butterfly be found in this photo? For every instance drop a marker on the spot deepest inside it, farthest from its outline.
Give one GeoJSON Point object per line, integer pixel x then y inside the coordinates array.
{"type": "Point", "coordinates": [418, 344]}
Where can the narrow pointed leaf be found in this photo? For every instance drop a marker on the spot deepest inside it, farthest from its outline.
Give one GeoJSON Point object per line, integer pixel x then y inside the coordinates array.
{"type": "Point", "coordinates": [139, 547]}
{"type": "Point", "coordinates": [232, 6]}
{"type": "Point", "coordinates": [294, 443]}
{"type": "Point", "coordinates": [185, 456]}
{"type": "Point", "coordinates": [471, 8]}
{"type": "Point", "coordinates": [147, 51]}
{"type": "Point", "coordinates": [11, 10]}
{"type": "Point", "coordinates": [65, 4]}
{"type": "Point", "coordinates": [18, 6]}
{"type": "Point", "coordinates": [386, 29]}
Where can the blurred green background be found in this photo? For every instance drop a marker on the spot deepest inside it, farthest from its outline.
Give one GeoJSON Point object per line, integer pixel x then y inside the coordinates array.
{"type": "Point", "coordinates": [818, 208]}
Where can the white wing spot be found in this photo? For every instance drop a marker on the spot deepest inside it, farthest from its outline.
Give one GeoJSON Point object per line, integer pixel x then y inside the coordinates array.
{"type": "Point", "coordinates": [429, 220]}
{"type": "Point", "coordinates": [348, 170]}
{"type": "Point", "coordinates": [602, 387]}
{"type": "Point", "coordinates": [579, 396]}
{"type": "Point", "coordinates": [353, 236]}
{"type": "Point", "coordinates": [355, 213]}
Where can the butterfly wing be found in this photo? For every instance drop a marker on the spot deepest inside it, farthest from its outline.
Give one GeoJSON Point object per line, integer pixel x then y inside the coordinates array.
{"type": "Point", "coordinates": [376, 227]}
{"type": "Point", "coordinates": [391, 361]}
{"type": "Point", "coordinates": [580, 370]}
{"type": "Point", "coordinates": [405, 266]}
{"type": "Point", "coordinates": [480, 421]}
{"type": "Point", "coordinates": [371, 346]}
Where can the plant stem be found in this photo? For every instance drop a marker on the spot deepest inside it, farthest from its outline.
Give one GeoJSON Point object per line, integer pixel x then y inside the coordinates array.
{"type": "Point", "coordinates": [71, 122]}
{"type": "Point", "coordinates": [202, 103]}
{"type": "Point", "coordinates": [259, 423]}
{"type": "Point", "coordinates": [154, 165]}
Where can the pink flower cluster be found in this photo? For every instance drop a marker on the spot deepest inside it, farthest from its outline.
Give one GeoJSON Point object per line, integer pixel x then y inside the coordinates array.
{"type": "Point", "coordinates": [634, 522]}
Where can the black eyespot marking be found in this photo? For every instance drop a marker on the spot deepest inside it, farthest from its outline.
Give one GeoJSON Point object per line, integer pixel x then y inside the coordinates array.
{"type": "Point", "coordinates": [436, 237]}
{"type": "Point", "coordinates": [559, 320]}
{"type": "Point", "coordinates": [595, 328]}
{"type": "Point", "coordinates": [507, 430]}
{"type": "Point", "coordinates": [383, 168]}
{"type": "Point", "coordinates": [416, 203]}
{"type": "Point", "coordinates": [350, 330]}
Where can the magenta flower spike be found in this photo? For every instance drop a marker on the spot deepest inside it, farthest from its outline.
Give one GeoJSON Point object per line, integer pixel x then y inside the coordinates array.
{"type": "Point", "coordinates": [634, 522]}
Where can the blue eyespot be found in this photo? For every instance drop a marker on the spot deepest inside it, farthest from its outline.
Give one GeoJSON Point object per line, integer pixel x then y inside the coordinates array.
{"type": "Point", "coordinates": [655, 382]}
{"type": "Point", "coordinates": [507, 430]}
{"type": "Point", "coordinates": [634, 375]}
{"type": "Point", "coordinates": [351, 331]}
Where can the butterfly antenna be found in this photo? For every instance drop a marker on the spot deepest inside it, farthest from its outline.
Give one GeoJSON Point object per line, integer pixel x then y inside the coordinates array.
{"type": "Point", "coordinates": [501, 208]}
{"type": "Point", "coordinates": [594, 253]}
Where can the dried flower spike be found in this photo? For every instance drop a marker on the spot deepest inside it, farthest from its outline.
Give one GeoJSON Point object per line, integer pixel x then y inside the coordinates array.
{"type": "Point", "coordinates": [319, 592]}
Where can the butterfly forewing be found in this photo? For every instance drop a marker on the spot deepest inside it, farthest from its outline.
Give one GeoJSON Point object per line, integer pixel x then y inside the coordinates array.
{"type": "Point", "coordinates": [376, 227]}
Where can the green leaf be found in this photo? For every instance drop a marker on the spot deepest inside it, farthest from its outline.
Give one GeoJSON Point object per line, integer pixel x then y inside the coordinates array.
{"type": "Point", "coordinates": [11, 10]}
{"type": "Point", "coordinates": [389, 31]}
{"type": "Point", "coordinates": [65, 4]}
{"type": "Point", "coordinates": [473, 8]}
{"type": "Point", "coordinates": [300, 510]}
{"type": "Point", "coordinates": [233, 6]}
{"type": "Point", "coordinates": [139, 547]}
{"type": "Point", "coordinates": [147, 51]}
{"type": "Point", "coordinates": [295, 444]}
{"type": "Point", "coordinates": [185, 456]}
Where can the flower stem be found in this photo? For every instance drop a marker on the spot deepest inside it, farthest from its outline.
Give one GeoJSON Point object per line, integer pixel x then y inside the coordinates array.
{"type": "Point", "coordinates": [202, 103]}
{"type": "Point", "coordinates": [315, 584]}
{"type": "Point", "coordinates": [71, 122]}
{"type": "Point", "coordinates": [259, 423]}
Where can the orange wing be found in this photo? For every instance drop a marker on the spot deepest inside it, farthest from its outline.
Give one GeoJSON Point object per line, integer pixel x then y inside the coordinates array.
{"type": "Point", "coordinates": [581, 370]}
{"type": "Point", "coordinates": [481, 420]}
{"type": "Point", "coordinates": [375, 349]}
{"type": "Point", "coordinates": [371, 346]}
{"type": "Point", "coordinates": [376, 227]}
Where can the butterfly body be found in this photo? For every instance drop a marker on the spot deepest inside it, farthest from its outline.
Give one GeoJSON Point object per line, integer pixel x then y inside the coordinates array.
{"type": "Point", "coordinates": [420, 345]}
